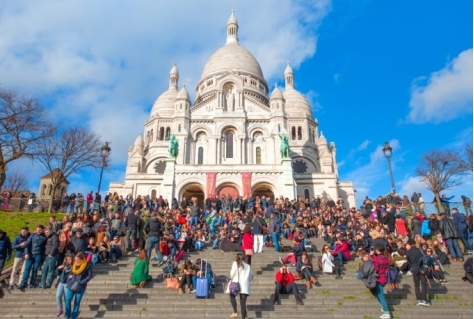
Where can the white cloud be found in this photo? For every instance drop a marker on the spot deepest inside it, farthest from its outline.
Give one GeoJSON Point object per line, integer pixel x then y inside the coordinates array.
{"type": "Point", "coordinates": [102, 64]}
{"type": "Point", "coordinates": [312, 98]}
{"type": "Point", "coordinates": [336, 77]}
{"type": "Point", "coordinates": [444, 95]}
{"type": "Point", "coordinates": [363, 145]}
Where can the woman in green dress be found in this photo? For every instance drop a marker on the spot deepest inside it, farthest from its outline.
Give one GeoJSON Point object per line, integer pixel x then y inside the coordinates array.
{"type": "Point", "coordinates": [139, 277]}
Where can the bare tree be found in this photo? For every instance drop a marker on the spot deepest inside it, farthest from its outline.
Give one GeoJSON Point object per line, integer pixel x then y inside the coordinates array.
{"type": "Point", "coordinates": [23, 124]}
{"type": "Point", "coordinates": [465, 159]}
{"type": "Point", "coordinates": [16, 182]}
{"type": "Point", "coordinates": [440, 170]}
{"type": "Point", "coordinates": [73, 150]}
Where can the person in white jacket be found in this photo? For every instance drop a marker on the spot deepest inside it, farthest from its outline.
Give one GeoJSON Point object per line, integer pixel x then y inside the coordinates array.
{"type": "Point", "coordinates": [241, 273]}
{"type": "Point", "coordinates": [328, 261]}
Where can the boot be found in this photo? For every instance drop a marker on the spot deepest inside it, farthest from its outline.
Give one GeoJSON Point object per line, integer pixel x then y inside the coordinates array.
{"type": "Point", "coordinates": [390, 286]}
{"type": "Point", "coordinates": [308, 284]}
{"type": "Point", "coordinates": [396, 286]}
{"type": "Point", "coordinates": [314, 281]}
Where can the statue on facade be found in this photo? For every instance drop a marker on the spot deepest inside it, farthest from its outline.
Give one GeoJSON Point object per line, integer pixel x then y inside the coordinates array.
{"type": "Point", "coordinates": [285, 146]}
{"type": "Point", "coordinates": [173, 146]}
{"type": "Point", "coordinates": [230, 100]}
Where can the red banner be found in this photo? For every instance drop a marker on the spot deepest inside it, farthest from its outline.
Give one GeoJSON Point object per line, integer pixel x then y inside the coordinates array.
{"type": "Point", "coordinates": [247, 184]}
{"type": "Point", "coordinates": [211, 184]}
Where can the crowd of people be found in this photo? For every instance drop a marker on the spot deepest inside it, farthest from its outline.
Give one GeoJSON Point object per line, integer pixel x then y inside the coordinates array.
{"type": "Point", "coordinates": [97, 231]}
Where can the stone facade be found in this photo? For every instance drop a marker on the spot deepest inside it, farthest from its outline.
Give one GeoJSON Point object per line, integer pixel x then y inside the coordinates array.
{"type": "Point", "coordinates": [233, 126]}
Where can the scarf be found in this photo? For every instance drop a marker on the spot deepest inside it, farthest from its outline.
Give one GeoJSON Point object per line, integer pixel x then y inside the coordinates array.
{"type": "Point", "coordinates": [79, 268]}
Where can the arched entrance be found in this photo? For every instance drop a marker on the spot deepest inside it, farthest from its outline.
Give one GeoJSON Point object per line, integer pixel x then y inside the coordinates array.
{"type": "Point", "coordinates": [193, 190]}
{"type": "Point", "coordinates": [263, 189]}
{"type": "Point", "coordinates": [227, 189]}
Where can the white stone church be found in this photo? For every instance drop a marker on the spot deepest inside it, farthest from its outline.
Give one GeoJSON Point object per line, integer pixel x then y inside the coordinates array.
{"type": "Point", "coordinates": [229, 137]}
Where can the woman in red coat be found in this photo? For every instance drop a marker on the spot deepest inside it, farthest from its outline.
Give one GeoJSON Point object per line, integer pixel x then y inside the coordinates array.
{"type": "Point", "coordinates": [247, 244]}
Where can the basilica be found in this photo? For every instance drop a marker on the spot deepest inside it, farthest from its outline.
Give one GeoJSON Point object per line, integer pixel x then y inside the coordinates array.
{"type": "Point", "coordinates": [230, 138]}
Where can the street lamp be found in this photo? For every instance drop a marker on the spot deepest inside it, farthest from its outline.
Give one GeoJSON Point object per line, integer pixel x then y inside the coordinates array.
{"type": "Point", "coordinates": [387, 151]}
{"type": "Point", "coordinates": [104, 152]}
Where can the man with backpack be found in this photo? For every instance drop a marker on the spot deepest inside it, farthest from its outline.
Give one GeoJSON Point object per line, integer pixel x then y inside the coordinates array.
{"type": "Point", "coordinates": [420, 279]}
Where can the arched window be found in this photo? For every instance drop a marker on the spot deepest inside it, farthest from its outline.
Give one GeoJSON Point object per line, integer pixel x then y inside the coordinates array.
{"type": "Point", "coordinates": [258, 157]}
{"type": "Point", "coordinates": [168, 132]}
{"type": "Point", "coordinates": [300, 133]}
{"type": "Point", "coordinates": [162, 134]}
{"type": "Point", "coordinates": [293, 133]}
{"type": "Point", "coordinates": [153, 194]}
{"type": "Point", "coordinates": [200, 155]}
{"type": "Point", "coordinates": [229, 145]}
{"type": "Point", "coordinates": [43, 190]}
{"type": "Point", "coordinates": [306, 193]}
{"type": "Point", "coordinates": [151, 136]}
{"type": "Point", "coordinates": [50, 190]}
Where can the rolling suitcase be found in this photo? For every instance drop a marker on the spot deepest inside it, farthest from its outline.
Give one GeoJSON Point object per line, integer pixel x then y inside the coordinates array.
{"type": "Point", "coordinates": [202, 283]}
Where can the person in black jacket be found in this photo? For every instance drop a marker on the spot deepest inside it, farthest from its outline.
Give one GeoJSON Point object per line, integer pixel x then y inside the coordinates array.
{"type": "Point", "coordinates": [257, 230]}
{"type": "Point", "coordinates": [154, 231]}
{"type": "Point", "coordinates": [450, 234]}
{"type": "Point", "coordinates": [51, 253]}
{"type": "Point", "coordinates": [131, 222]}
{"type": "Point", "coordinates": [34, 254]}
{"type": "Point", "coordinates": [468, 270]}
{"type": "Point", "coordinates": [77, 243]}
{"type": "Point", "coordinates": [19, 246]}
{"type": "Point", "coordinates": [5, 249]}
{"type": "Point", "coordinates": [413, 256]}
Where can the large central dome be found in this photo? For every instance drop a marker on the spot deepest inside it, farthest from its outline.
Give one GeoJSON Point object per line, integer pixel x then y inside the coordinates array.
{"type": "Point", "coordinates": [232, 56]}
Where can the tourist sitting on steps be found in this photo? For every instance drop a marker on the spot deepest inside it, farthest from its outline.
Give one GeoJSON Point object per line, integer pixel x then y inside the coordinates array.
{"type": "Point", "coordinates": [285, 284]}
{"type": "Point", "coordinates": [139, 276]}
{"type": "Point", "coordinates": [304, 267]}
{"type": "Point", "coordinates": [295, 255]}
{"type": "Point", "coordinates": [186, 271]}
{"type": "Point", "coordinates": [330, 265]}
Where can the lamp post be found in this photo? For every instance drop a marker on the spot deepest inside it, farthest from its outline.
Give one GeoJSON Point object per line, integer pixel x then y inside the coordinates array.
{"type": "Point", "coordinates": [104, 152]}
{"type": "Point", "coordinates": [387, 151]}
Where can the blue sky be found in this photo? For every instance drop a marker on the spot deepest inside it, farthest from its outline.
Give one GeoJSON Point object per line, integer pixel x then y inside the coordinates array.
{"type": "Point", "coordinates": [374, 71]}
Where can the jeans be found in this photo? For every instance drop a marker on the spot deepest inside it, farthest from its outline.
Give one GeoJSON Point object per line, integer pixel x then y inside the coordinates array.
{"type": "Point", "coordinates": [194, 220]}
{"type": "Point", "coordinates": [216, 243]}
{"type": "Point", "coordinates": [377, 292]}
{"type": "Point", "coordinates": [463, 234]}
{"type": "Point", "coordinates": [198, 245]}
{"type": "Point", "coordinates": [276, 241]}
{"type": "Point", "coordinates": [34, 261]}
{"type": "Point", "coordinates": [154, 241]}
{"type": "Point", "coordinates": [131, 235]}
{"type": "Point", "coordinates": [290, 288]}
{"type": "Point", "coordinates": [60, 294]}
{"type": "Point", "coordinates": [77, 303]}
{"type": "Point", "coordinates": [258, 243]}
{"type": "Point", "coordinates": [419, 280]}
{"type": "Point", "coordinates": [47, 273]}
{"type": "Point", "coordinates": [2, 264]}
{"type": "Point", "coordinates": [453, 247]}
{"type": "Point", "coordinates": [342, 258]}
{"type": "Point", "coordinates": [116, 250]}
{"type": "Point", "coordinates": [286, 233]}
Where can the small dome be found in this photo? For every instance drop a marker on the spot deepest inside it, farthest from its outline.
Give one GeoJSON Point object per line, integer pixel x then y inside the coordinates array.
{"type": "Point", "coordinates": [183, 94]}
{"type": "Point", "coordinates": [164, 104]}
{"type": "Point", "coordinates": [174, 70]}
{"type": "Point", "coordinates": [232, 19]}
{"type": "Point", "coordinates": [276, 94]}
{"type": "Point", "coordinates": [288, 68]}
{"type": "Point", "coordinates": [296, 104]}
{"type": "Point", "coordinates": [139, 141]}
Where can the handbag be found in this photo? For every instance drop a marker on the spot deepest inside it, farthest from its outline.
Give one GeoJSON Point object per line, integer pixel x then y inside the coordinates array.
{"type": "Point", "coordinates": [234, 287]}
{"type": "Point", "coordinates": [248, 252]}
{"type": "Point", "coordinates": [298, 277]}
{"type": "Point", "coordinates": [172, 283]}
{"type": "Point", "coordinates": [76, 286]}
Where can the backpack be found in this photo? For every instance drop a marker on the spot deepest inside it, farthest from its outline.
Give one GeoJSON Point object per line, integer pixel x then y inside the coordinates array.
{"type": "Point", "coordinates": [426, 265]}
{"type": "Point", "coordinates": [320, 262]}
{"type": "Point", "coordinates": [369, 276]}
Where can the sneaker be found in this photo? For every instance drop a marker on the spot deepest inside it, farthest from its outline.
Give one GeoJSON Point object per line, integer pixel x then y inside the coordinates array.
{"type": "Point", "coordinates": [59, 314]}
{"type": "Point", "coordinates": [408, 273]}
{"type": "Point", "coordinates": [281, 260]}
{"type": "Point", "coordinates": [275, 302]}
{"type": "Point", "coordinates": [193, 291]}
{"type": "Point", "coordinates": [11, 287]}
{"type": "Point", "coordinates": [418, 302]}
{"type": "Point", "coordinates": [386, 315]}
{"type": "Point", "coordinates": [425, 303]}
{"type": "Point", "coordinates": [292, 266]}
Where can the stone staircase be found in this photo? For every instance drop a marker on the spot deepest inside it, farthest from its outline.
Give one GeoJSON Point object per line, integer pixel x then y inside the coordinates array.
{"type": "Point", "coordinates": [109, 295]}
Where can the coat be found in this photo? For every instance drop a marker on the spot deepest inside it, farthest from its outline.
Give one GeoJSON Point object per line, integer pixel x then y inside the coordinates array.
{"type": "Point", "coordinates": [328, 263]}
{"type": "Point", "coordinates": [247, 241]}
{"type": "Point", "coordinates": [242, 276]}
{"type": "Point", "coordinates": [448, 228]}
{"type": "Point", "coordinates": [140, 272]}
